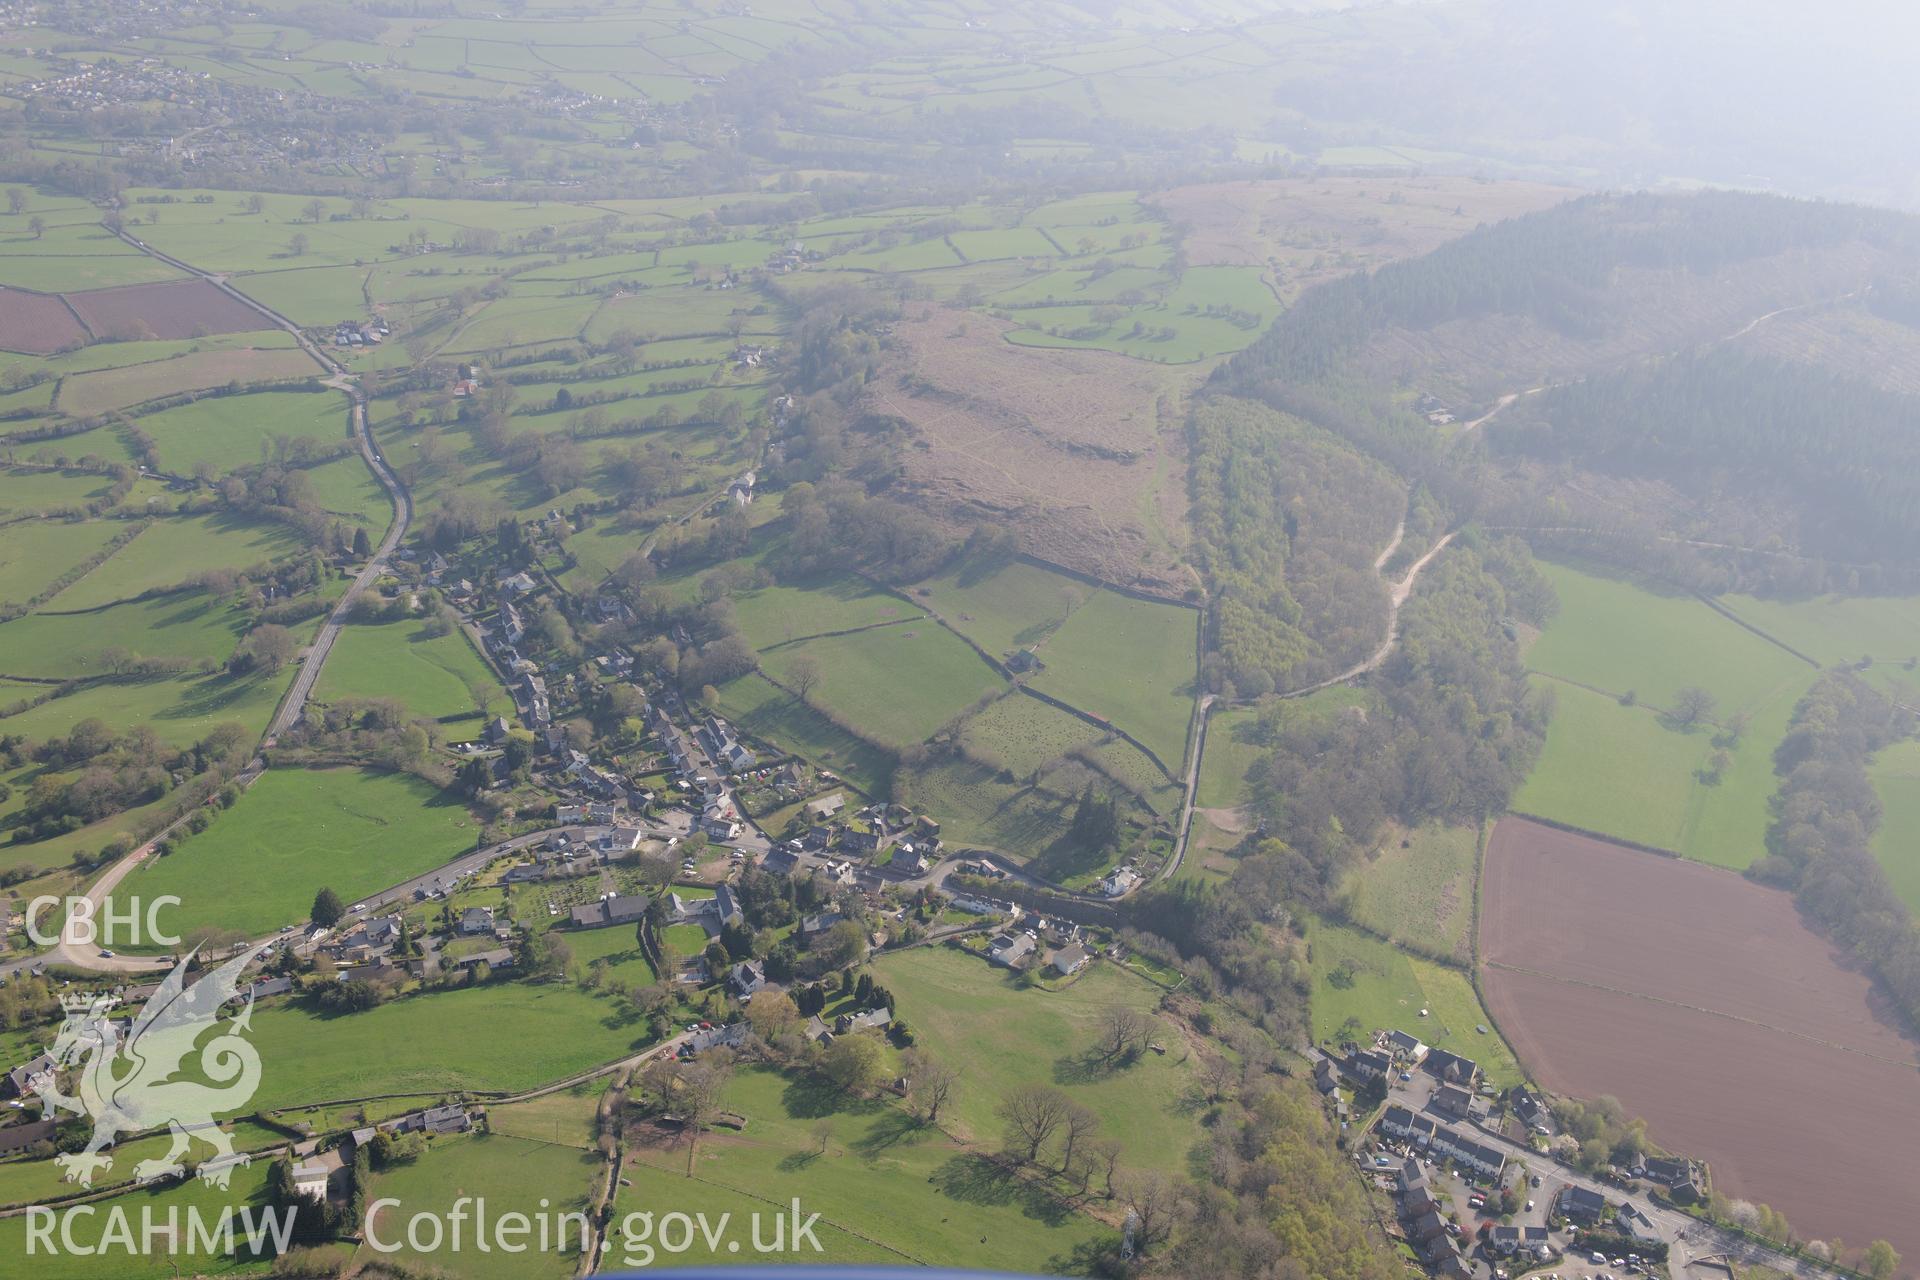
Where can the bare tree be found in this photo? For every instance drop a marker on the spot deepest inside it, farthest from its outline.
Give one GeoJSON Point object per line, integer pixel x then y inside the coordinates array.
{"type": "Point", "coordinates": [803, 673]}
{"type": "Point", "coordinates": [1217, 1077]}
{"type": "Point", "coordinates": [930, 1083]}
{"type": "Point", "coordinates": [1153, 1200]}
{"type": "Point", "coordinates": [1033, 1114]}
{"type": "Point", "coordinates": [1123, 1032]}
{"type": "Point", "coordinates": [314, 209]}
{"type": "Point", "coordinates": [1105, 1154]}
{"type": "Point", "coordinates": [16, 200]}
{"type": "Point", "coordinates": [822, 1135]}
{"type": "Point", "coordinates": [697, 1098]}
{"type": "Point", "coordinates": [1078, 1130]}
{"type": "Point", "coordinates": [1692, 705]}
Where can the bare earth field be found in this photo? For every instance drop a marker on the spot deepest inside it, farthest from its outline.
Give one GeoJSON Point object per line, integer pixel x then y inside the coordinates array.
{"type": "Point", "coordinates": [170, 310]}
{"type": "Point", "coordinates": [1311, 230]}
{"type": "Point", "coordinates": [1082, 449]}
{"type": "Point", "coordinates": [36, 323]}
{"type": "Point", "coordinates": [1700, 1001]}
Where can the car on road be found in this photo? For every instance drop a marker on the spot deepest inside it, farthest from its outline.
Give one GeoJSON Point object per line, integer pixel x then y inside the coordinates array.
{"type": "Point", "coordinates": [105, 954]}
{"type": "Point", "coordinates": [1536, 1179]}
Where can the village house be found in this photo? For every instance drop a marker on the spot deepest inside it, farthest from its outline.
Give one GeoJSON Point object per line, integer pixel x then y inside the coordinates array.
{"type": "Point", "coordinates": [1405, 1047]}
{"type": "Point", "coordinates": [1120, 882]}
{"type": "Point", "coordinates": [1010, 950]}
{"type": "Point", "coordinates": [1069, 960]}
{"type": "Point", "coordinates": [745, 978]}
{"type": "Point", "coordinates": [847, 1022]}
{"type": "Point", "coordinates": [310, 1180]}
{"type": "Point", "coordinates": [1580, 1204]}
{"type": "Point", "coordinates": [1369, 1064]}
{"type": "Point", "coordinates": [1452, 1068]}
{"type": "Point", "coordinates": [476, 920]}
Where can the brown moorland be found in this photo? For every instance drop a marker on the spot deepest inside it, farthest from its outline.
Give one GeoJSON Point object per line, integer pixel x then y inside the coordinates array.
{"type": "Point", "coordinates": [1702, 1002]}
{"type": "Point", "coordinates": [169, 310]}
{"type": "Point", "coordinates": [1306, 231]}
{"type": "Point", "coordinates": [37, 324]}
{"type": "Point", "coordinates": [1081, 450]}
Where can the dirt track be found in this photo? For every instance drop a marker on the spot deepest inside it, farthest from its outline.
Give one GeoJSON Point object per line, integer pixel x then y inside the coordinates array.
{"type": "Point", "coordinates": [1700, 1001]}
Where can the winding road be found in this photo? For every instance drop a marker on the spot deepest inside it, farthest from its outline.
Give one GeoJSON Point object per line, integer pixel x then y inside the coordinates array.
{"type": "Point", "coordinates": [74, 948]}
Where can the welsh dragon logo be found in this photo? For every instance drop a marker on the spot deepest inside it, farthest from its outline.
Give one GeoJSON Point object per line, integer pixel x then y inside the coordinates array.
{"type": "Point", "coordinates": [129, 1075]}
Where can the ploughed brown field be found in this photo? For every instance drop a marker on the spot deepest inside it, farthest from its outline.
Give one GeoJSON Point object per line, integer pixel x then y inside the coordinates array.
{"type": "Point", "coordinates": [1701, 1001]}
{"type": "Point", "coordinates": [36, 323]}
{"type": "Point", "coordinates": [173, 309]}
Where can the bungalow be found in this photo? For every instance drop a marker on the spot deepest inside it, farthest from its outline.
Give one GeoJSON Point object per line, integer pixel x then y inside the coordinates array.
{"type": "Point", "coordinates": [746, 978]}
{"type": "Point", "coordinates": [618, 909]}
{"type": "Point", "coordinates": [452, 1118]}
{"type": "Point", "coordinates": [497, 958]}
{"type": "Point", "coordinates": [781, 862]}
{"type": "Point", "coordinates": [269, 987]}
{"type": "Point", "coordinates": [826, 806]}
{"type": "Point", "coordinates": [813, 925]}
{"type": "Point", "coordinates": [1069, 960]}
{"type": "Point", "coordinates": [817, 1031]}
{"type": "Point", "coordinates": [518, 584]}
{"type": "Point", "coordinates": [1010, 950]}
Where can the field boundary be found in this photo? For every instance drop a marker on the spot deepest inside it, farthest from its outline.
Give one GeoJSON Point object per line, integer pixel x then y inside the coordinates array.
{"type": "Point", "coordinates": [1742, 623]}
{"type": "Point", "coordinates": [1622, 841]}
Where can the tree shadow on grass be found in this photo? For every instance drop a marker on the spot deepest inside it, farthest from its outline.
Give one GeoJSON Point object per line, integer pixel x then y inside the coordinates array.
{"type": "Point", "coordinates": [796, 1161]}
{"type": "Point", "coordinates": [1089, 1066]}
{"type": "Point", "coordinates": [889, 1131]}
{"type": "Point", "coordinates": [976, 1179]}
{"type": "Point", "coordinates": [810, 1097]}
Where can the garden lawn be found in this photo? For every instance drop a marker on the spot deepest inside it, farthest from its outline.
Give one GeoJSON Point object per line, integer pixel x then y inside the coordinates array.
{"type": "Point", "coordinates": [438, 678]}
{"type": "Point", "coordinates": [296, 831]}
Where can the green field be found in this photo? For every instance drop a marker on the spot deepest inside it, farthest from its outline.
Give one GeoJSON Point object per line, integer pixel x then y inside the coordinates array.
{"type": "Point", "coordinates": [999, 1036]}
{"type": "Point", "coordinates": [781, 614]}
{"type": "Point", "coordinates": [896, 685]}
{"type": "Point", "coordinates": [1615, 762]}
{"type": "Point", "coordinates": [1836, 629]}
{"type": "Point", "coordinates": [1024, 735]}
{"type": "Point", "coordinates": [507, 1036]}
{"type": "Point", "coordinates": [1362, 985]}
{"type": "Point", "coordinates": [1621, 637]}
{"type": "Point", "coordinates": [762, 711]}
{"type": "Point", "coordinates": [515, 1175]}
{"type": "Point", "coordinates": [189, 625]}
{"type": "Point", "coordinates": [886, 1189]}
{"type": "Point", "coordinates": [1896, 780]}
{"type": "Point", "coordinates": [438, 678]}
{"type": "Point", "coordinates": [298, 830]}
{"type": "Point", "coordinates": [171, 550]}
{"type": "Point", "coordinates": [117, 1260]}
{"type": "Point", "coordinates": [1132, 662]}
{"type": "Point", "coordinates": [36, 553]}
{"type": "Point", "coordinates": [180, 709]}
{"type": "Point", "coordinates": [1417, 889]}
{"type": "Point", "coordinates": [223, 433]}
